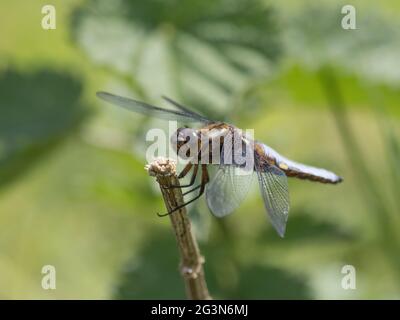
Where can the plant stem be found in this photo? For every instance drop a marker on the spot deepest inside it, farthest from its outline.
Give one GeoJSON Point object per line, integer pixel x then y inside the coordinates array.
{"type": "Point", "coordinates": [191, 266]}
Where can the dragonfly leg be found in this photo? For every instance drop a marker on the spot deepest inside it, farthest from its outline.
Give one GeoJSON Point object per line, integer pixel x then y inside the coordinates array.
{"type": "Point", "coordinates": [205, 172]}
{"type": "Point", "coordinates": [185, 170]}
{"type": "Point", "coordinates": [204, 180]}
{"type": "Point", "coordinates": [191, 190]}
{"type": "Point", "coordinates": [192, 179]}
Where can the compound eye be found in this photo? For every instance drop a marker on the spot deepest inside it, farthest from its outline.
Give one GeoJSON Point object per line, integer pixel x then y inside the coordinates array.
{"type": "Point", "coordinates": [182, 138]}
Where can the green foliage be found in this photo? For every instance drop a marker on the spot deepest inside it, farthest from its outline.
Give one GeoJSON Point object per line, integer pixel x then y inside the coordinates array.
{"type": "Point", "coordinates": [314, 37]}
{"type": "Point", "coordinates": [139, 277]}
{"type": "Point", "coordinates": [202, 52]}
{"type": "Point", "coordinates": [37, 111]}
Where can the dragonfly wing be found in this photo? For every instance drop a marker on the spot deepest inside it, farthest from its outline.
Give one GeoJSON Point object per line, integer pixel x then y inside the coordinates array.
{"type": "Point", "coordinates": [186, 110]}
{"type": "Point", "coordinates": [147, 109]}
{"type": "Point", "coordinates": [227, 189]}
{"type": "Point", "coordinates": [274, 189]}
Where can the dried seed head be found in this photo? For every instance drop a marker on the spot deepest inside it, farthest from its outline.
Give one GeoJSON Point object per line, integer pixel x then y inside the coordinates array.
{"type": "Point", "coordinates": [161, 167]}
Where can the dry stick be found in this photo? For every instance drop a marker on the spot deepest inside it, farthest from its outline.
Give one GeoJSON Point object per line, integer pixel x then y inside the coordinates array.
{"type": "Point", "coordinates": [191, 266]}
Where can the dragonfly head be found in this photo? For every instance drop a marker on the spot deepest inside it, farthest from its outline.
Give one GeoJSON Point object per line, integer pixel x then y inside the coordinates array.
{"type": "Point", "coordinates": [185, 142]}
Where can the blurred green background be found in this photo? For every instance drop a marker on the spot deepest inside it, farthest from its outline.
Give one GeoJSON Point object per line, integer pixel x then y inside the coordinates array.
{"type": "Point", "coordinates": [73, 191]}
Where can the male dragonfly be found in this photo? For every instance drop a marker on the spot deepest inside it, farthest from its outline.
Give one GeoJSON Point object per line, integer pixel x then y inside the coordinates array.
{"type": "Point", "coordinates": [226, 190]}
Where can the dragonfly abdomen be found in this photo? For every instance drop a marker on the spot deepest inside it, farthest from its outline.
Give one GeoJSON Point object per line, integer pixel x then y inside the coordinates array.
{"type": "Point", "coordinates": [299, 170]}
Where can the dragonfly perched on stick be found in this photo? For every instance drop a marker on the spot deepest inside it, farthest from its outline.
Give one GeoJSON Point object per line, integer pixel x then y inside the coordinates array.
{"type": "Point", "coordinates": [229, 186]}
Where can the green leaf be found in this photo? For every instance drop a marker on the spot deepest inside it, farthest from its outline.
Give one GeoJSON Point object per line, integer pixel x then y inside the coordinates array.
{"type": "Point", "coordinates": [198, 51]}
{"type": "Point", "coordinates": [314, 37]}
{"type": "Point", "coordinates": [37, 110]}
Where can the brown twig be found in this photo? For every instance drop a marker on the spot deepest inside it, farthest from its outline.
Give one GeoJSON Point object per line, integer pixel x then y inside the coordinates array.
{"type": "Point", "coordinates": [191, 266]}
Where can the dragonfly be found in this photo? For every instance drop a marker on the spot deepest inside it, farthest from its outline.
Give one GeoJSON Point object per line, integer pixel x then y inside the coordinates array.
{"type": "Point", "coordinates": [228, 187]}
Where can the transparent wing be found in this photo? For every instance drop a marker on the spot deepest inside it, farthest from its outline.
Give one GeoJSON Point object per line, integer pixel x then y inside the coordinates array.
{"type": "Point", "coordinates": [275, 193]}
{"type": "Point", "coordinates": [147, 109]}
{"type": "Point", "coordinates": [227, 189]}
{"type": "Point", "coordinates": [185, 109]}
